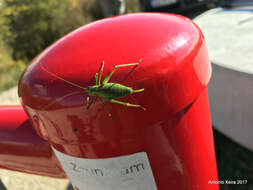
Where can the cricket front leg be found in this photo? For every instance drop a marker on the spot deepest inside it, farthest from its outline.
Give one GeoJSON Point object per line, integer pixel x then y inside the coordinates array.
{"type": "Point", "coordinates": [98, 77]}
{"type": "Point", "coordinates": [89, 102]}
{"type": "Point", "coordinates": [101, 72]}
{"type": "Point", "coordinates": [126, 103]}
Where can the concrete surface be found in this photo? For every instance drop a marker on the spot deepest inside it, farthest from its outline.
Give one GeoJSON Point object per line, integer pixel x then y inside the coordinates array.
{"type": "Point", "coordinates": [229, 38]}
{"type": "Point", "coordinates": [230, 43]}
{"type": "Point", "coordinates": [11, 180]}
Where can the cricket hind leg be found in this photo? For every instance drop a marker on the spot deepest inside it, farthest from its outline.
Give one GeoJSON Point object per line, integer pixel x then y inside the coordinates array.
{"type": "Point", "coordinates": [126, 104]}
{"type": "Point", "coordinates": [117, 66]}
{"type": "Point", "coordinates": [130, 72]}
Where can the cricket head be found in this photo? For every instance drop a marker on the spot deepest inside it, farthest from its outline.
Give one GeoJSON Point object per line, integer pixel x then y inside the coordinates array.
{"type": "Point", "coordinates": [90, 90]}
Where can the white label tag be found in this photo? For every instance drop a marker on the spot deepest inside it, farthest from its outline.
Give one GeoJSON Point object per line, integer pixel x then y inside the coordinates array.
{"type": "Point", "coordinates": [131, 172]}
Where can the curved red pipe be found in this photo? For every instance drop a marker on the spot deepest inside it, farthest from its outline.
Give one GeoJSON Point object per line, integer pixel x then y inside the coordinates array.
{"type": "Point", "coordinates": [21, 149]}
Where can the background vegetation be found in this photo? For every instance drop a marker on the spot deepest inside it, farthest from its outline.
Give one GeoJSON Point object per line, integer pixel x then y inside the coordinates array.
{"type": "Point", "coordinates": [29, 26]}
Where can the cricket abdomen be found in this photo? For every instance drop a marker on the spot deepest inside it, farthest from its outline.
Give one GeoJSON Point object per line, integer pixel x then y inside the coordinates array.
{"type": "Point", "coordinates": [109, 90]}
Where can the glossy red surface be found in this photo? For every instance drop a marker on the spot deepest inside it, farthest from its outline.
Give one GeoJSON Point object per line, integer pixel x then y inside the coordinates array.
{"type": "Point", "coordinates": [175, 129]}
{"type": "Point", "coordinates": [21, 149]}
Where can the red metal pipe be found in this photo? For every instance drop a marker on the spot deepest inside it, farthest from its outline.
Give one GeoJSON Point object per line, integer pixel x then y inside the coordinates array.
{"type": "Point", "coordinates": [21, 149]}
{"type": "Point", "coordinates": [174, 133]}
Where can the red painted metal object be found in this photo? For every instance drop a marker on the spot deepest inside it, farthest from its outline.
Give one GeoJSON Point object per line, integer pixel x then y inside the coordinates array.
{"type": "Point", "coordinates": [175, 130]}
{"type": "Point", "coordinates": [21, 149]}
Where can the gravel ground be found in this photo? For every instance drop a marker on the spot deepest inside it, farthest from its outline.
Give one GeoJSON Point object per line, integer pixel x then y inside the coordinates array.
{"type": "Point", "coordinates": [9, 97]}
{"type": "Point", "coordinates": [19, 181]}
{"type": "Point", "coordinates": [10, 180]}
